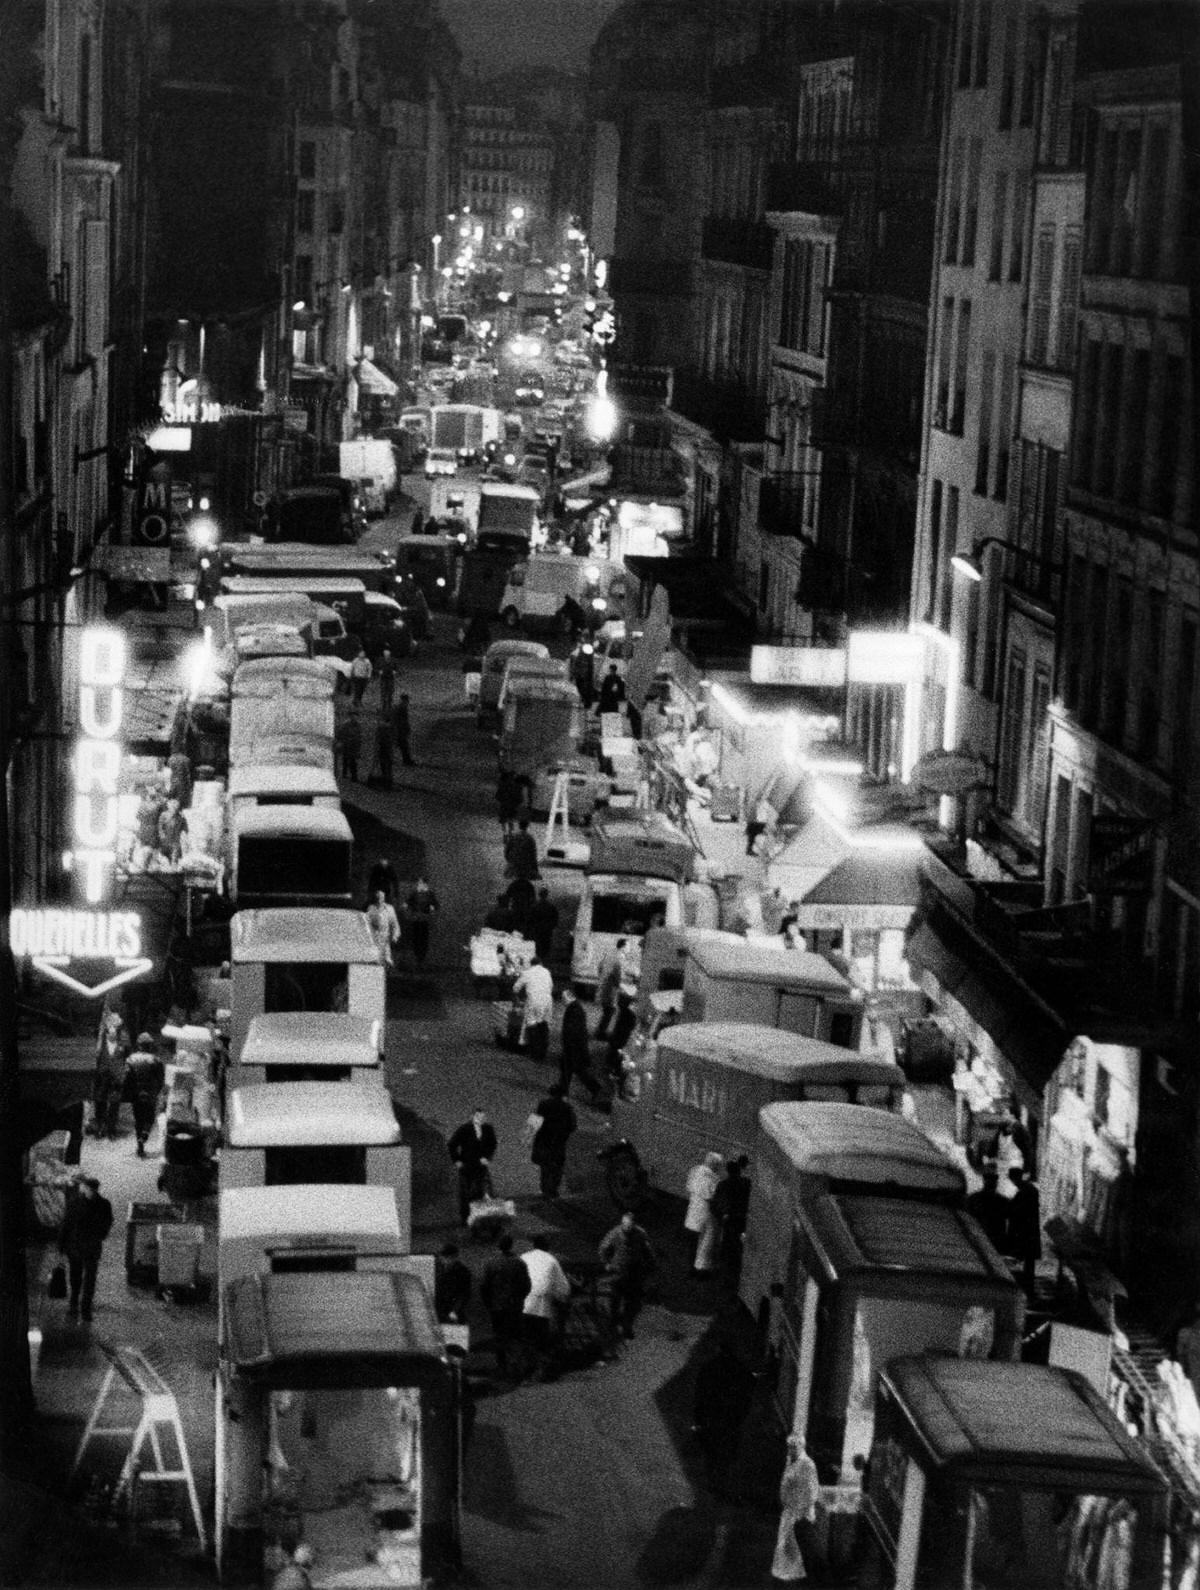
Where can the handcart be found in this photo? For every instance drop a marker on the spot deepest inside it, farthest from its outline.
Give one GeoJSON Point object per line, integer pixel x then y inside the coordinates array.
{"type": "Point", "coordinates": [490, 1217]}
{"type": "Point", "coordinates": [143, 1224]}
{"type": "Point", "coordinates": [498, 957]}
{"type": "Point", "coordinates": [179, 1247]}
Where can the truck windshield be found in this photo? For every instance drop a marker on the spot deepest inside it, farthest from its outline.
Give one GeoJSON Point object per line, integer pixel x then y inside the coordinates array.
{"type": "Point", "coordinates": [283, 868]}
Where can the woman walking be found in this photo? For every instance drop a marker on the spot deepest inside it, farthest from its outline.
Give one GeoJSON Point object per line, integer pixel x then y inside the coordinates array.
{"type": "Point", "coordinates": [700, 1221]}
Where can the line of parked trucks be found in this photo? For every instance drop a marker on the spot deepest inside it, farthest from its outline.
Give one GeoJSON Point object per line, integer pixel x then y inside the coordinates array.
{"type": "Point", "coordinates": [338, 1397]}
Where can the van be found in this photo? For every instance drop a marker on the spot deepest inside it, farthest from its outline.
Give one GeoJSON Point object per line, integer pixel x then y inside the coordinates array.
{"type": "Point", "coordinates": [858, 1248]}
{"type": "Point", "coordinates": [646, 844]}
{"type": "Point", "coordinates": [614, 906]}
{"type": "Point", "coordinates": [774, 987]}
{"type": "Point", "coordinates": [371, 617]}
{"type": "Point", "coordinates": [541, 721]}
{"type": "Point", "coordinates": [508, 515]}
{"type": "Point", "coordinates": [292, 707]}
{"type": "Point", "coordinates": [698, 1089]}
{"type": "Point", "coordinates": [309, 1046]}
{"type": "Point", "coordinates": [370, 461]}
{"type": "Point", "coordinates": [433, 562]}
{"type": "Point", "coordinates": [230, 613]}
{"type": "Point", "coordinates": [305, 959]}
{"type": "Point", "coordinates": [495, 661]}
{"type": "Point", "coordinates": [290, 855]}
{"type": "Point", "coordinates": [542, 590]}
{"type": "Point", "coordinates": [520, 669]}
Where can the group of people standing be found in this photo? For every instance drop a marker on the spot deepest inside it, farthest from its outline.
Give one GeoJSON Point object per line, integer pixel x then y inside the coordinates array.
{"type": "Point", "coordinates": [421, 906]}
{"type": "Point", "coordinates": [393, 723]}
{"type": "Point", "coordinates": [718, 1202]}
{"type": "Point", "coordinates": [126, 1074]}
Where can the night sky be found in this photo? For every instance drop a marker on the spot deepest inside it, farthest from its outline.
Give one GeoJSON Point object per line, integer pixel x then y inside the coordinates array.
{"type": "Point", "coordinates": [499, 34]}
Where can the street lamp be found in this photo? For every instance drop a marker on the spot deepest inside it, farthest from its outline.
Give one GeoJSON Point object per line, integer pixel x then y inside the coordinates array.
{"type": "Point", "coordinates": [970, 564]}
{"type": "Point", "coordinates": [436, 240]}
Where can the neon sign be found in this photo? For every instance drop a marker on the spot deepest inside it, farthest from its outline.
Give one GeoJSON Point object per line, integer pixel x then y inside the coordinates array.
{"type": "Point", "coordinates": [53, 939]}
{"type": "Point", "coordinates": [97, 762]}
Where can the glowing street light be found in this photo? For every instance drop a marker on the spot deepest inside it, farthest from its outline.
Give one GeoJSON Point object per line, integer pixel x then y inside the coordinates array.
{"type": "Point", "coordinates": [518, 212]}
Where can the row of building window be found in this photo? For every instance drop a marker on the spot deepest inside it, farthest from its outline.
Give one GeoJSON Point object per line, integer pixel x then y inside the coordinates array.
{"type": "Point", "coordinates": [1133, 231]}
{"type": "Point", "coordinates": [1132, 417]}
{"type": "Point", "coordinates": [954, 343]}
{"type": "Point", "coordinates": [1120, 689]}
{"type": "Point", "coordinates": [807, 269]}
{"type": "Point", "coordinates": [1006, 246]}
{"type": "Point", "coordinates": [997, 387]}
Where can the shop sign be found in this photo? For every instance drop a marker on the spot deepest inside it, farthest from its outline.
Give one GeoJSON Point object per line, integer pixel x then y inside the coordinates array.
{"type": "Point", "coordinates": [950, 772]}
{"type": "Point", "coordinates": [883, 657]}
{"type": "Point", "coordinates": [815, 666]}
{"type": "Point", "coordinates": [1121, 856]}
{"type": "Point", "coordinates": [857, 918]}
{"type": "Point", "coordinates": [191, 410]}
{"type": "Point", "coordinates": [63, 945]}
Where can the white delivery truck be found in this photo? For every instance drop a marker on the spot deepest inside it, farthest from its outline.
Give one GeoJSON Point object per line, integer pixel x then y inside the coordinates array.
{"type": "Point", "coordinates": [371, 461]}
{"type": "Point", "coordinates": [553, 589]}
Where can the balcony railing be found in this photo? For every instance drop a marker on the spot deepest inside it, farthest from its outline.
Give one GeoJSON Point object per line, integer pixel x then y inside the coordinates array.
{"type": "Point", "coordinates": [658, 278]}
{"type": "Point", "coordinates": [734, 240]}
{"type": "Point", "coordinates": [726, 408]}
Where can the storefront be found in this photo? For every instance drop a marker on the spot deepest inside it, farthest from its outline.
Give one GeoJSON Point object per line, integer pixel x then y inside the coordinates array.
{"type": "Point", "coordinates": [862, 910]}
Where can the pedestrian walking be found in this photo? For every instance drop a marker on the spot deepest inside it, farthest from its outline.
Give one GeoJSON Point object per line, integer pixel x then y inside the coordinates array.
{"type": "Point", "coordinates": [730, 1206]}
{"type": "Point", "coordinates": [1024, 1237]}
{"type": "Point", "coordinates": [624, 1022]}
{"type": "Point", "coordinates": [583, 673]}
{"type": "Point", "coordinates": [451, 1286]}
{"type": "Point", "coordinates": [172, 825]}
{"type": "Point", "coordinates": [385, 927]}
{"type": "Point", "coordinates": [383, 753]}
{"type": "Point", "coordinates": [508, 800]}
{"type": "Point", "coordinates": [112, 1052]}
{"type": "Point", "coordinates": [520, 852]}
{"type": "Point", "coordinates": [549, 1293]}
{"type": "Point", "coordinates": [548, 1151]}
{"type": "Point", "coordinates": [542, 921]}
{"type": "Point", "coordinates": [421, 908]}
{"type": "Point", "coordinates": [349, 742]}
{"type": "Point", "coordinates": [612, 691]}
{"type": "Point", "coordinates": [700, 1221]}
{"type": "Point", "coordinates": [506, 1284]}
{"type": "Point", "coordinates": [386, 674]}
{"type": "Point", "coordinates": [472, 1148]}
{"type": "Point", "coordinates": [630, 1261]}
{"type": "Point", "coordinates": [608, 983]}
{"type": "Point", "coordinates": [144, 1080]}
{"type": "Point", "coordinates": [521, 897]}
{"type": "Point", "coordinates": [360, 674]}
{"type": "Point", "coordinates": [536, 987]}
{"type": "Point", "coordinates": [86, 1223]}
{"type": "Point", "coordinates": [576, 1055]}
{"type": "Point", "coordinates": [404, 730]}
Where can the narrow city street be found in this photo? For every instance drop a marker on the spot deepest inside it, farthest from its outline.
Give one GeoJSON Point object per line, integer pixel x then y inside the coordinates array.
{"type": "Point", "coordinates": [610, 1439]}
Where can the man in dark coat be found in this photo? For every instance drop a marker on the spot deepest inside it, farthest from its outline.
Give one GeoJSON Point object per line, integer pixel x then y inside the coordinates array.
{"type": "Point", "coordinates": [542, 921]}
{"type": "Point", "coordinates": [348, 741]}
{"type": "Point", "coordinates": [451, 1286]}
{"type": "Point", "coordinates": [508, 800]}
{"type": "Point", "coordinates": [87, 1222]}
{"type": "Point", "coordinates": [1024, 1236]}
{"type": "Point", "coordinates": [549, 1148]}
{"type": "Point", "coordinates": [520, 852]}
{"type": "Point", "coordinates": [522, 897]}
{"type": "Point", "coordinates": [612, 691]}
{"type": "Point", "coordinates": [629, 1259]}
{"type": "Point", "coordinates": [144, 1079]}
{"type": "Point", "coordinates": [422, 907]}
{"type": "Point", "coordinates": [500, 918]}
{"type": "Point", "coordinates": [730, 1205]}
{"type": "Point", "coordinates": [505, 1287]}
{"type": "Point", "coordinates": [472, 1148]}
{"type": "Point", "coordinates": [384, 752]}
{"type": "Point", "coordinates": [576, 1058]}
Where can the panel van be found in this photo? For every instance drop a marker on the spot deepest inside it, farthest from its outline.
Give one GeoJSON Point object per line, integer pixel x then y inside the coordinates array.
{"type": "Point", "coordinates": [774, 987]}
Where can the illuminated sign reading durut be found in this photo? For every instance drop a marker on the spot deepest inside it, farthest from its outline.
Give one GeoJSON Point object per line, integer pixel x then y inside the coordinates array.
{"type": "Point", "coordinates": [61, 942]}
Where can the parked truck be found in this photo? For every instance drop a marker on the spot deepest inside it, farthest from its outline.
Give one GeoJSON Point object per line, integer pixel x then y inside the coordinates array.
{"type": "Point", "coordinates": [461, 427]}
{"type": "Point", "coordinates": [370, 461]}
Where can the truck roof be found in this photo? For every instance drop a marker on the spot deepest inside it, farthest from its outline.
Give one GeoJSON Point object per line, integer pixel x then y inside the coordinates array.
{"type": "Point", "coordinates": [297, 687]}
{"type": "Point", "coordinates": [865, 1233]}
{"type": "Point", "coordinates": [779, 1056]}
{"type": "Point", "coordinates": [765, 963]}
{"type": "Point", "coordinates": [284, 1327]}
{"type": "Point", "coordinates": [293, 822]}
{"type": "Point", "coordinates": [338, 586]}
{"type": "Point", "coordinates": [281, 668]}
{"type": "Point", "coordinates": [302, 934]}
{"type": "Point", "coordinates": [312, 1115]}
{"type": "Point", "coordinates": [322, 1212]}
{"type": "Point", "coordinates": [312, 1038]}
{"type": "Point", "coordinates": [275, 778]}
{"type": "Point", "coordinates": [854, 1143]}
{"type": "Point", "coordinates": [1028, 1424]}
{"type": "Point", "coordinates": [495, 488]}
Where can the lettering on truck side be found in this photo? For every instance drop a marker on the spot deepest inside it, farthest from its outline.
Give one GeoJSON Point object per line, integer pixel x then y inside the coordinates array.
{"type": "Point", "coordinates": [705, 1096]}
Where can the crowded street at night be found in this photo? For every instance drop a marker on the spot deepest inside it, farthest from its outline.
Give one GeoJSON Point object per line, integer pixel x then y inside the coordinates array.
{"type": "Point", "coordinates": [600, 831]}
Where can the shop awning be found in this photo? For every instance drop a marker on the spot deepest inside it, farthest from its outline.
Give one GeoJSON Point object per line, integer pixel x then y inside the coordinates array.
{"type": "Point", "coordinates": [865, 890]}
{"type": "Point", "coordinates": [1030, 1035]}
{"type": "Point", "coordinates": [372, 379]}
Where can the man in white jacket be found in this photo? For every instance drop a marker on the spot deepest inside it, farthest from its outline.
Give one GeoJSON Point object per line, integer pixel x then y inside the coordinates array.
{"type": "Point", "coordinates": [549, 1291]}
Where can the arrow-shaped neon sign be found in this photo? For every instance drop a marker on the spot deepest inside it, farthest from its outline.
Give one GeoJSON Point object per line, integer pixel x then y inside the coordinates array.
{"type": "Point", "coordinates": [52, 967]}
